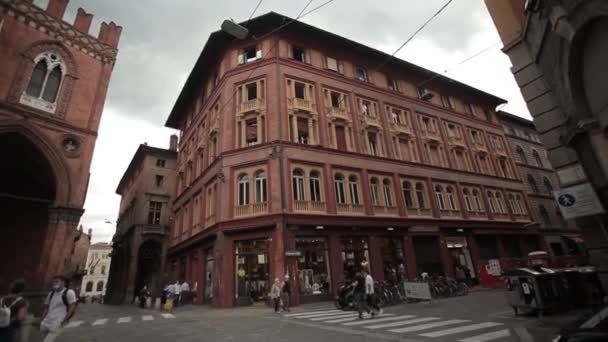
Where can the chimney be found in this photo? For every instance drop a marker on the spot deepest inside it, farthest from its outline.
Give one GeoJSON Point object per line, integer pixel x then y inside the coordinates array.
{"type": "Point", "coordinates": [83, 21]}
{"type": "Point", "coordinates": [90, 233]}
{"type": "Point", "coordinates": [110, 33]}
{"type": "Point", "coordinates": [173, 143]}
{"type": "Point", "coordinates": [56, 8]}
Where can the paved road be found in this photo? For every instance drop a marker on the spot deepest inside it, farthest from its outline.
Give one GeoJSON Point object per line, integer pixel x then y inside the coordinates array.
{"type": "Point", "coordinates": [477, 317]}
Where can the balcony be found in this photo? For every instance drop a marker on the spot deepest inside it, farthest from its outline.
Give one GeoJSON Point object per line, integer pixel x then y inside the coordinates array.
{"type": "Point", "coordinates": [252, 106]}
{"type": "Point", "coordinates": [153, 229]}
{"type": "Point", "coordinates": [422, 212]}
{"type": "Point", "coordinates": [382, 210]}
{"type": "Point", "coordinates": [479, 146]}
{"type": "Point", "coordinates": [431, 135]}
{"type": "Point", "coordinates": [450, 213]}
{"type": "Point", "coordinates": [456, 141]}
{"type": "Point", "coordinates": [502, 217]}
{"type": "Point", "coordinates": [309, 206]}
{"type": "Point", "coordinates": [401, 128]}
{"type": "Point", "coordinates": [301, 105]}
{"type": "Point", "coordinates": [478, 215]}
{"type": "Point", "coordinates": [251, 209]}
{"type": "Point", "coordinates": [350, 208]}
{"type": "Point", "coordinates": [338, 113]}
{"type": "Point", "coordinates": [369, 120]}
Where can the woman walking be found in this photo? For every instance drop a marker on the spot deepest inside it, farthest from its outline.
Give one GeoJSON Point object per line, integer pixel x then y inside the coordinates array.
{"type": "Point", "coordinates": [275, 294]}
{"type": "Point", "coordinates": [286, 293]}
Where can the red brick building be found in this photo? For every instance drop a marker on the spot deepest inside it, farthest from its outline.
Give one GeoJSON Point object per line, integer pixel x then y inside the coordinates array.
{"type": "Point", "coordinates": [297, 157]}
{"type": "Point", "coordinates": [54, 78]}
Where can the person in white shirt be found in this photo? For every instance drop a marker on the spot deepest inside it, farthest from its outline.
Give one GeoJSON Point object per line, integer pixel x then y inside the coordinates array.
{"type": "Point", "coordinates": [372, 301]}
{"type": "Point", "coordinates": [185, 292]}
{"type": "Point", "coordinates": [59, 307]}
{"type": "Point", "coordinates": [177, 291]}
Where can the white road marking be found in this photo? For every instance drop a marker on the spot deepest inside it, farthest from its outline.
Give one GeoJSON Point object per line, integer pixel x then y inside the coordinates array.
{"type": "Point", "coordinates": [350, 319]}
{"type": "Point", "coordinates": [487, 336]}
{"type": "Point", "coordinates": [343, 315]}
{"type": "Point", "coordinates": [323, 314]}
{"type": "Point", "coordinates": [461, 329]}
{"type": "Point", "coordinates": [388, 319]}
{"type": "Point", "coordinates": [147, 318]}
{"type": "Point", "coordinates": [167, 315]}
{"type": "Point", "coordinates": [396, 324]}
{"type": "Point", "coordinates": [429, 325]}
{"type": "Point", "coordinates": [74, 324]}
{"type": "Point", "coordinates": [124, 319]}
{"type": "Point", "coordinates": [101, 321]}
{"type": "Point", "coordinates": [311, 313]}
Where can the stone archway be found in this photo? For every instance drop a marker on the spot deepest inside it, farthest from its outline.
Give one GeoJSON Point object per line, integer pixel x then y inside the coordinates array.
{"type": "Point", "coordinates": [149, 264]}
{"type": "Point", "coordinates": [28, 186]}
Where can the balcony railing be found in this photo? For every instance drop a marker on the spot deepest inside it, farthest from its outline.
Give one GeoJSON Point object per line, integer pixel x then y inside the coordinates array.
{"type": "Point", "coordinates": [450, 213]}
{"type": "Point", "coordinates": [338, 113]}
{"type": "Point", "coordinates": [351, 208]}
{"type": "Point", "coordinates": [254, 105]}
{"type": "Point", "coordinates": [504, 217]}
{"type": "Point", "coordinates": [457, 140]}
{"type": "Point", "coordinates": [383, 210]}
{"type": "Point", "coordinates": [402, 128]}
{"type": "Point", "coordinates": [371, 120]}
{"type": "Point", "coordinates": [479, 146]}
{"type": "Point", "coordinates": [301, 104]}
{"type": "Point", "coordinates": [309, 206]}
{"type": "Point", "coordinates": [477, 215]}
{"type": "Point", "coordinates": [153, 229]}
{"type": "Point", "coordinates": [251, 209]}
{"type": "Point", "coordinates": [424, 212]}
{"type": "Point", "coordinates": [431, 135]}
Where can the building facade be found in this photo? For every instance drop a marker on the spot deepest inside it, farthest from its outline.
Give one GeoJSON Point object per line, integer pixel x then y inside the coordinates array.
{"type": "Point", "coordinates": [558, 50]}
{"type": "Point", "coordinates": [562, 237]}
{"type": "Point", "coordinates": [54, 81]}
{"type": "Point", "coordinates": [95, 280]}
{"type": "Point", "coordinates": [297, 157]}
{"type": "Point", "coordinates": [140, 243]}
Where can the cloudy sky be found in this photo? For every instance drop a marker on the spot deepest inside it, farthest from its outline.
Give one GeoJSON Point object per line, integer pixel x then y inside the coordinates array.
{"type": "Point", "coordinates": [162, 39]}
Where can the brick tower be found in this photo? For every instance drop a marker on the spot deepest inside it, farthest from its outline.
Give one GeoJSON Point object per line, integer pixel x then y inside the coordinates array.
{"type": "Point", "coordinates": [54, 78]}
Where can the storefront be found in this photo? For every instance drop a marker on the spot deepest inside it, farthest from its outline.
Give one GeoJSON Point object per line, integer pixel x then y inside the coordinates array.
{"type": "Point", "coordinates": [209, 263]}
{"type": "Point", "coordinates": [393, 258]}
{"type": "Point", "coordinates": [428, 257]}
{"type": "Point", "coordinates": [355, 253]}
{"type": "Point", "coordinates": [252, 271]}
{"type": "Point", "coordinates": [313, 269]}
{"type": "Point", "coordinates": [460, 256]}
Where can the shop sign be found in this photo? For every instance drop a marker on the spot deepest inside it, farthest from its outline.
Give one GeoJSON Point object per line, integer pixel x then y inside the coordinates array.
{"type": "Point", "coordinates": [578, 201]}
{"type": "Point", "coordinates": [417, 290]}
{"type": "Point", "coordinates": [493, 267]}
{"type": "Point", "coordinates": [293, 253]}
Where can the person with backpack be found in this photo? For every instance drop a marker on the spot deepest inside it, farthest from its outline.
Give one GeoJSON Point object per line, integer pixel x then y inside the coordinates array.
{"type": "Point", "coordinates": [13, 312]}
{"type": "Point", "coordinates": [59, 307]}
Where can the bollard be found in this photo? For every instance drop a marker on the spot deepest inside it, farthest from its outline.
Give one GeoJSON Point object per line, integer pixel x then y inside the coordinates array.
{"type": "Point", "coordinates": [157, 303]}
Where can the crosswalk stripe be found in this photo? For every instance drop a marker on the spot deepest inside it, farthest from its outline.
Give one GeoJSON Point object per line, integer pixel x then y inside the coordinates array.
{"type": "Point", "coordinates": [344, 315]}
{"type": "Point", "coordinates": [311, 313]}
{"type": "Point", "coordinates": [487, 336]}
{"type": "Point", "coordinates": [461, 329]}
{"type": "Point", "coordinates": [429, 325]}
{"type": "Point", "coordinates": [74, 324]}
{"type": "Point", "coordinates": [400, 323]}
{"type": "Point", "coordinates": [167, 315]}
{"type": "Point", "coordinates": [147, 318]}
{"type": "Point", "coordinates": [351, 319]}
{"type": "Point", "coordinates": [101, 321]}
{"type": "Point", "coordinates": [323, 314]}
{"type": "Point", "coordinates": [388, 319]}
{"type": "Point", "coordinates": [124, 319]}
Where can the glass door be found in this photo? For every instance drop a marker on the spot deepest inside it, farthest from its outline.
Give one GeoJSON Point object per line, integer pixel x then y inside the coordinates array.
{"type": "Point", "coordinates": [252, 271]}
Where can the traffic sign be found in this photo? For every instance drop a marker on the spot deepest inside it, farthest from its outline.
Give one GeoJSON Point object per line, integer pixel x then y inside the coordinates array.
{"type": "Point", "coordinates": [578, 201]}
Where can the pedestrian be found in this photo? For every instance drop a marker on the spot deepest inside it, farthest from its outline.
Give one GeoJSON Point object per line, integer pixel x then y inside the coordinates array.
{"type": "Point", "coordinates": [13, 312]}
{"type": "Point", "coordinates": [143, 296]}
{"type": "Point", "coordinates": [59, 307]}
{"type": "Point", "coordinates": [185, 292]}
{"type": "Point", "coordinates": [275, 294]}
{"type": "Point", "coordinates": [177, 291]}
{"type": "Point", "coordinates": [286, 293]}
{"type": "Point", "coordinates": [359, 293]}
{"type": "Point", "coordinates": [460, 275]}
{"type": "Point", "coordinates": [370, 295]}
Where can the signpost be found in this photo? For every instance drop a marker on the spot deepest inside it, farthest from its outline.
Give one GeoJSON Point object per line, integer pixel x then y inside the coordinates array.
{"type": "Point", "coordinates": [417, 290]}
{"type": "Point", "coordinates": [578, 201]}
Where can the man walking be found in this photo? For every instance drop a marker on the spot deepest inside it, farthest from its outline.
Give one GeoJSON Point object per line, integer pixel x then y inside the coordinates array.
{"type": "Point", "coordinates": [370, 295]}
{"type": "Point", "coordinates": [359, 293]}
{"type": "Point", "coordinates": [286, 293]}
{"type": "Point", "coordinates": [59, 307]}
{"type": "Point", "coordinates": [185, 292]}
{"type": "Point", "coordinates": [177, 291]}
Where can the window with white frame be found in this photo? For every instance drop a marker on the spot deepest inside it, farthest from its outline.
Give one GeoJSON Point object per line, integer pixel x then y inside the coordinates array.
{"type": "Point", "coordinates": [315, 186]}
{"type": "Point", "coordinates": [420, 195]}
{"type": "Point", "coordinates": [250, 54]}
{"type": "Point", "coordinates": [298, 185]}
{"type": "Point", "coordinates": [334, 64]}
{"type": "Point", "coordinates": [500, 205]}
{"type": "Point", "coordinates": [261, 194]}
{"type": "Point", "coordinates": [467, 199]}
{"type": "Point", "coordinates": [45, 81]}
{"type": "Point", "coordinates": [373, 143]}
{"type": "Point", "coordinates": [451, 200]}
{"type": "Point", "coordinates": [408, 196]}
{"type": "Point", "coordinates": [243, 190]}
{"type": "Point", "coordinates": [477, 201]}
{"type": "Point", "coordinates": [491, 202]}
{"type": "Point", "coordinates": [375, 191]}
{"type": "Point", "coordinates": [339, 188]}
{"type": "Point", "coordinates": [388, 193]}
{"type": "Point", "coordinates": [393, 85]}
{"type": "Point", "coordinates": [353, 185]}
{"type": "Point", "coordinates": [439, 197]}
{"type": "Point", "coordinates": [362, 74]}
{"type": "Point", "coordinates": [446, 101]}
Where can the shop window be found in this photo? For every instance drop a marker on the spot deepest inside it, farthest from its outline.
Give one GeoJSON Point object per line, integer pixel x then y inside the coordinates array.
{"type": "Point", "coordinates": [439, 197]}
{"type": "Point", "coordinates": [537, 159]}
{"type": "Point", "coordinates": [300, 90]}
{"type": "Point", "coordinates": [393, 259]}
{"type": "Point", "coordinates": [451, 200]}
{"type": "Point", "coordinates": [353, 185]}
{"type": "Point", "coordinates": [406, 187]}
{"type": "Point", "coordinates": [488, 248]}
{"type": "Point", "coordinates": [154, 212]}
{"type": "Point", "coordinates": [314, 277]}
{"type": "Point", "coordinates": [511, 246]}
{"type": "Point", "coordinates": [420, 196]}
{"type": "Point", "coordinates": [315, 186]}
{"type": "Point", "coordinates": [243, 190]}
{"type": "Point", "coordinates": [388, 193]}
{"type": "Point", "coordinates": [339, 188]}
{"type": "Point", "coordinates": [375, 191]}
{"type": "Point", "coordinates": [426, 250]}
{"type": "Point", "coordinates": [252, 271]}
{"type": "Point", "coordinates": [298, 185]}
{"type": "Point", "coordinates": [355, 255]}
{"type": "Point", "coordinates": [260, 187]}
{"type": "Point", "coordinates": [209, 264]}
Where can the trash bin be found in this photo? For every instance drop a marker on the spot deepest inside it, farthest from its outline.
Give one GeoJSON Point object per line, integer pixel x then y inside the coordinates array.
{"type": "Point", "coordinates": [532, 290]}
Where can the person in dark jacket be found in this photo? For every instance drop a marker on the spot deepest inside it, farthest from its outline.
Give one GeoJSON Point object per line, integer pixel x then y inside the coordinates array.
{"type": "Point", "coordinates": [286, 293]}
{"type": "Point", "coordinates": [360, 299]}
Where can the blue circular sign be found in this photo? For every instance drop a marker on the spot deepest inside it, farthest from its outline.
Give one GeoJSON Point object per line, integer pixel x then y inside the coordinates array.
{"type": "Point", "coordinates": [566, 200]}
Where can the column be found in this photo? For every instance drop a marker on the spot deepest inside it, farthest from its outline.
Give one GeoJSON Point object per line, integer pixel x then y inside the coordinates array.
{"type": "Point", "coordinates": [375, 256]}
{"type": "Point", "coordinates": [348, 138]}
{"type": "Point", "coordinates": [294, 128]}
{"type": "Point", "coordinates": [200, 277]}
{"type": "Point", "coordinates": [332, 132]}
{"type": "Point", "coordinates": [336, 264]}
{"type": "Point", "coordinates": [277, 252]}
{"type": "Point", "coordinates": [444, 254]}
{"type": "Point", "coordinates": [410, 257]}
{"type": "Point", "coordinates": [242, 139]}
{"type": "Point", "coordinates": [311, 135]}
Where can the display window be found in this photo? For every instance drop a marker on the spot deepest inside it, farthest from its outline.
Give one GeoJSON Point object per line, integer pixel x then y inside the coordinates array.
{"type": "Point", "coordinates": [209, 263]}
{"type": "Point", "coordinates": [314, 277]}
{"type": "Point", "coordinates": [252, 270]}
{"type": "Point", "coordinates": [393, 259]}
{"type": "Point", "coordinates": [355, 254]}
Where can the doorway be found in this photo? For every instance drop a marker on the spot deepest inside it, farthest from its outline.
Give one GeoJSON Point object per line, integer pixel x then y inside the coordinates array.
{"type": "Point", "coordinates": [148, 267]}
{"type": "Point", "coordinates": [464, 269]}
{"type": "Point", "coordinates": [252, 271]}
